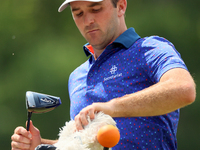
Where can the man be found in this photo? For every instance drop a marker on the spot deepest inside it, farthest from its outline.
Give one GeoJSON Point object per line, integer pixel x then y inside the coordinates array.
{"type": "Point", "coordinates": [140, 82]}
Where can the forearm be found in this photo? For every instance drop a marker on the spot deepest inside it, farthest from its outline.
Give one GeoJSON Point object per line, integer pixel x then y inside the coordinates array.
{"type": "Point", "coordinates": [145, 103]}
{"type": "Point", "coordinates": [159, 99]}
{"type": "Point", "coordinates": [46, 141]}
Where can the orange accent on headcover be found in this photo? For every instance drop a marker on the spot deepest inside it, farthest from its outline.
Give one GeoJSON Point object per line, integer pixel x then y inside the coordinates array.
{"type": "Point", "coordinates": [90, 48]}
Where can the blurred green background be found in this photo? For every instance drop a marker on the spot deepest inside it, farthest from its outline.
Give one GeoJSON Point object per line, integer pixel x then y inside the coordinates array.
{"type": "Point", "coordinates": [40, 47]}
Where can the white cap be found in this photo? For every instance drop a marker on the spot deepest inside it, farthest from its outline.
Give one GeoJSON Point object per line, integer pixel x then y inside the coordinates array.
{"type": "Point", "coordinates": [66, 3]}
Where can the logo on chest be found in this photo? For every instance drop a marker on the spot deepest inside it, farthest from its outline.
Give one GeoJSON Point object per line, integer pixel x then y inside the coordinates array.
{"type": "Point", "coordinates": [113, 73]}
{"type": "Point", "coordinates": [113, 69]}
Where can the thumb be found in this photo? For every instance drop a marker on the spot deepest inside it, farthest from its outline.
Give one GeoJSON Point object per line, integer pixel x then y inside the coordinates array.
{"type": "Point", "coordinates": [34, 131]}
{"type": "Point", "coordinates": [36, 138]}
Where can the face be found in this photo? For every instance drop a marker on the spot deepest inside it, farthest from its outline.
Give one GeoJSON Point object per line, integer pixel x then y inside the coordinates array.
{"type": "Point", "coordinates": [97, 21]}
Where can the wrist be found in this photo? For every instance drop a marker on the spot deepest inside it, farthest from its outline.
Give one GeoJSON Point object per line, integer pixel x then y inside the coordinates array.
{"type": "Point", "coordinates": [47, 141]}
{"type": "Point", "coordinates": [112, 108]}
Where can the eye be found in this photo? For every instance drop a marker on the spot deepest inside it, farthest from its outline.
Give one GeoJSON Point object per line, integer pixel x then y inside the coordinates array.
{"type": "Point", "coordinates": [96, 10]}
{"type": "Point", "coordinates": [79, 14]}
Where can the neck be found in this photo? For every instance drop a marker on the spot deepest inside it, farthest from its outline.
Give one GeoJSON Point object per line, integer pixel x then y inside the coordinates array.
{"type": "Point", "coordinates": [99, 49]}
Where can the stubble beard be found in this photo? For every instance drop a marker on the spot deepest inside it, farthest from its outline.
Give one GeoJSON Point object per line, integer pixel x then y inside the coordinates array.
{"type": "Point", "coordinates": [102, 40]}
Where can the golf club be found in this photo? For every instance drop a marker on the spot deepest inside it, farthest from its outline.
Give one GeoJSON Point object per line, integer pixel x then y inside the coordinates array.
{"type": "Point", "coordinates": [40, 103]}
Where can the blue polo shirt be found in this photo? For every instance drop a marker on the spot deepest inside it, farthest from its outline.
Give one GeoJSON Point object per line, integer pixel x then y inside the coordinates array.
{"type": "Point", "coordinates": [127, 65]}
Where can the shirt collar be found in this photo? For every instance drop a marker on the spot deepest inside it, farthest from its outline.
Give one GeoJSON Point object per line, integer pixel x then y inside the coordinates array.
{"type": "Point", "coordinates": [126, 39]}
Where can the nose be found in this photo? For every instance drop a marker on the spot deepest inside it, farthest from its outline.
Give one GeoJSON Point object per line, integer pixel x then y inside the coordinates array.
{"type": "Point", "coordinates": [88, 19]}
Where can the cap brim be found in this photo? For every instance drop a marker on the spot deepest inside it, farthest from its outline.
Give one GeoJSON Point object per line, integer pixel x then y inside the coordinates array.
{"type": "Point", "coordinates": [66, 3]}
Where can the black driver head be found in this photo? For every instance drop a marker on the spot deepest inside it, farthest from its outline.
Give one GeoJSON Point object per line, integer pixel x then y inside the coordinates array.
{"type": "Point", "coordinates": [41, 103]}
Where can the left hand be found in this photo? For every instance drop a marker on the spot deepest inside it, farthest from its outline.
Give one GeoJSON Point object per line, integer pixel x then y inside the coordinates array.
{"type": "Point", "coordinates": [89, 111]}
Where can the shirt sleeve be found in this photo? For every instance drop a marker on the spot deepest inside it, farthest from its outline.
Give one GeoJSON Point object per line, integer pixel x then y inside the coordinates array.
{"type": "Point", "coordinates": [160, 56]}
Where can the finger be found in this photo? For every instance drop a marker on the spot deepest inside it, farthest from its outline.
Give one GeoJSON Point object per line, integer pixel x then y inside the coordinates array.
{"type": "Point", "coordinates": [17, 145]}
{"type": "Point", "coordinates": [83, 117]}
{"type": "Point", "coordinates": [20, 139]}
{"type": "Point", "coordinates": [91, 114]}
{"type": "Point", "coordinates": [78, 123]}
{"type": "Point", "coordinates": [22, 131]}
{"type": "Point", "coordinates": [74, 128]}
{"type": "Point", "coordinates": [16, 149]}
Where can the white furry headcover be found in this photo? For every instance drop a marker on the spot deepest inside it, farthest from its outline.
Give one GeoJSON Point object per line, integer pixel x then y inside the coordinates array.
{"type": "Point", "coordinates": [84, 139]}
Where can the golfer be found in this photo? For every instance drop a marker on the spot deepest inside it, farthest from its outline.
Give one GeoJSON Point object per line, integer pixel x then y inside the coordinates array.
{"type": "Point", "coordinates": [140, 82]}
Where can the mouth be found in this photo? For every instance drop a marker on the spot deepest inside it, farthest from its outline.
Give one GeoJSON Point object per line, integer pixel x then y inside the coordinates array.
{"type": "Point", "coordinates": [92, 31]}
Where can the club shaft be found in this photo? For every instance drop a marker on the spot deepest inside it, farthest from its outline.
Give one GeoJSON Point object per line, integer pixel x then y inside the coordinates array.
{"type": "Point", "coordinates": [28, 122]}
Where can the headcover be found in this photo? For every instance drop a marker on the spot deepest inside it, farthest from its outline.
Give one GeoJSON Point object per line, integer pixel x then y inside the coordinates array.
{"type": "Point", "coordinates": [66, 3]}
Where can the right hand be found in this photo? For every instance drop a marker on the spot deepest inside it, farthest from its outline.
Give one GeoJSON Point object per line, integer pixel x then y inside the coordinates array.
{"type": "Point", "coordinates": [25, 140]}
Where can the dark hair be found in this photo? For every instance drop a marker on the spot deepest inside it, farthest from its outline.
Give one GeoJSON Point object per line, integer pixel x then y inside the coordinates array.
{"type": "Point", "coordinates": [114, 2]}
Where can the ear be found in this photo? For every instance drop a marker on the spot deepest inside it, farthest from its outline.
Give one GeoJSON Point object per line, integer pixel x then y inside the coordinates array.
{"type": "Point", "coordinates": [121, 7]}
